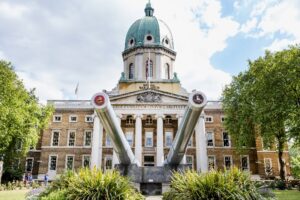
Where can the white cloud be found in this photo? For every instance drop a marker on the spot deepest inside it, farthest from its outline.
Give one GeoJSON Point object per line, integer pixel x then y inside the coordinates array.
{"type": "Point", "coordinates": [2, 56]}
{"type": "Point", "coordinates": [11, 11]}
{"type": "Point", "coordinates": [271, 17]}
{"type": "Point", "coordinates": [53, 46]}
{"type": "Point", "coordinates": [278, 45]}
{"type": "Point", "coordinates": [249, 25]}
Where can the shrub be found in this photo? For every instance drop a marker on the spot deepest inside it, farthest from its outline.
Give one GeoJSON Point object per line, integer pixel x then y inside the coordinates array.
{"type": "Point", "coordinates": [93, 184]}
{"type": "Point", "coordinates": [231, 184]}
{"type": "Point", "coordinates": [56, 195]}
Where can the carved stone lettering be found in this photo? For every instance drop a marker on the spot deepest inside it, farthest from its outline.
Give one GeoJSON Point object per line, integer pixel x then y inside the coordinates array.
{"type": "Point", "coordinates": [148, 97]}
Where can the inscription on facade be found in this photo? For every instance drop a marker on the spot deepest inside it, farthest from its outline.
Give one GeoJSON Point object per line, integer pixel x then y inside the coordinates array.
{"type": "Point", "coordinates": [148, 97]}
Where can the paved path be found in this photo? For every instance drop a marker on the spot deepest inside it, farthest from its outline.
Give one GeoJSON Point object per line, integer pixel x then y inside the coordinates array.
{"type": "Point", "coordinates": [153, 197]}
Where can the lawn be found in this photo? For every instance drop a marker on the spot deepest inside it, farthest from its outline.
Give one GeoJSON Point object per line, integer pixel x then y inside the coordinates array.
{"type": "Point", "coordinates": [13, 195]}
{"type": "Point", "coordinates": [287, 194]}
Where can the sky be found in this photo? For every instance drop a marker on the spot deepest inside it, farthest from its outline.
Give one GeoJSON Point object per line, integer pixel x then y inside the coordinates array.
{"type": "Point", "coordinates": [53, 45]}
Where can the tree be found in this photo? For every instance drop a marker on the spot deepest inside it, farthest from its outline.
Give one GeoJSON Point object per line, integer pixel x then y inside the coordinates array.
{"type": "Point", "coordinates": [21, 116]}
{"type": "Point", "coordinates": [295, 161]}
{"type": "Point", "coordinates": [265, 101]}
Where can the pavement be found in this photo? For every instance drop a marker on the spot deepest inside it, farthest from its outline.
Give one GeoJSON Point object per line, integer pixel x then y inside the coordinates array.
{"type": "Point", "coordinates": [153, 197]}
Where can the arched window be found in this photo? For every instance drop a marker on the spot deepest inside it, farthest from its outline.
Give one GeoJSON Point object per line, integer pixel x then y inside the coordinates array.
{"type": "Point", "coordinates": [149, 120]}
{"type": "Point", "coordinates": [149, 70]}
{"type": "Point", "coordinates": [129, 120]}
{"type": "Point", "coordinates": [131, 71]}
{"type": "Point", "coordinates": [167, 71]}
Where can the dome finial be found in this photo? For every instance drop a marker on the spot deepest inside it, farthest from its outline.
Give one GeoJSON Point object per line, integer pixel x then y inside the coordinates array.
{"type": "Point", "coordinates": [149, 10]}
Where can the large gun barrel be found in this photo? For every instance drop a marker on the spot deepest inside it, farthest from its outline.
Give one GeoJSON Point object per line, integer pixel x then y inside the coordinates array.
{"type": "Point", "coordinates": [110, 123]}
{"type": "Point", "coordinates": [197, 101]}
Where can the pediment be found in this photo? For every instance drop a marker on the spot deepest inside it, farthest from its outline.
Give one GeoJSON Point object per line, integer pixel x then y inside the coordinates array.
{"type": "Point", "coordinates": [148, 97]}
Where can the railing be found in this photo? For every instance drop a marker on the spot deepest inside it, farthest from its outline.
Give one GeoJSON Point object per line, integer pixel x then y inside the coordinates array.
{"type": "Point", "coordinates": [70, 103]}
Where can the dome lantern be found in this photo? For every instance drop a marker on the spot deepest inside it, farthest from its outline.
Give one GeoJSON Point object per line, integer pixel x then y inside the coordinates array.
{"type": "Point", "coordinates": [149, 31]}
{"type": "Point", "coordinates": [149, 10]}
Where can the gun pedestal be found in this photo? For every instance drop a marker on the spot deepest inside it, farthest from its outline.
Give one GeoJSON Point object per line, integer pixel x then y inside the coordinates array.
{"type": "Point", "coordinates": [150, 180]}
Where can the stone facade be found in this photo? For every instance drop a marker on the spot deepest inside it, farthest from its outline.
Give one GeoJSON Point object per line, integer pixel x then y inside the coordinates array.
{"type": "Point", "coordinates": [41, 154]}
{"type": "Point", "coordinates": [149, 102]}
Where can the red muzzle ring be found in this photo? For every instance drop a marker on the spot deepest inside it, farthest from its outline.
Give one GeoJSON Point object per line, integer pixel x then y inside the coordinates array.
{"type": "Point", "coordinates": [99, 100]}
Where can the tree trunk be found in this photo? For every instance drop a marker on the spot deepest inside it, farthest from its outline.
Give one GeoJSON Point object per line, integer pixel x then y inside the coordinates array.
{"type": "Point", "coordinates": [280, 154]}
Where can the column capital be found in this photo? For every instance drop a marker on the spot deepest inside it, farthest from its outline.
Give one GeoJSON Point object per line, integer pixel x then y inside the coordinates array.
{"type": "Point", "coordinates": [157, 116]}
{"type": "Point", "coordinates": [135, 116]}
{"type": "Point", "coordinates": [119, 116]}
{"type": "Point", "coordinates": [179, 116]}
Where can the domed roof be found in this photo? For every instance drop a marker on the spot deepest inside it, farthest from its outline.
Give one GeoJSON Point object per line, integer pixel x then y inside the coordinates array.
{"type": "Point", "coordinates": [149, 31]}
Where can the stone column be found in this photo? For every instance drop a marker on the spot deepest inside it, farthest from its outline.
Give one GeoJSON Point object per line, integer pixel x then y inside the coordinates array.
{"type": "Point", "coordinates": [158, 66]}
{"type": "Point", "coordinates": [115, 160]}
{"type": "Point", "coordinates": [138, 138]}
{"type": "Point", "coordinates": [179, 118]}
{"type": "Point", "coordinates": [96, 155]}
{"type": "Point", "coordinates": [201, 149]}
{"type": "Point", "coordinates": [138, 67]}
{"type": "Point", "coordinates": [160, 141]}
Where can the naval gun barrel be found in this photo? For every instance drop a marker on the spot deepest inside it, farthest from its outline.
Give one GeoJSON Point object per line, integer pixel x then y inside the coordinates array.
{"type": "Point", "coordinates": [196, 103]}
{"type": "Point", "coordinates": [112, 127]}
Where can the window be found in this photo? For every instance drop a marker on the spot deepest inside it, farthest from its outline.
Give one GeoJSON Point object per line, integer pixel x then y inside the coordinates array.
{"type": "Point", "coordinates": [73, 118]}
{"type": "Point", "coordinates": [52, 163]}
{"type": "Point", "coordinates": [210, 139]}
{"type": "Point", "coordinates": [108, 141]}
{"type": "Point", "coordinates": [168, 138]}
{"type": "Point", "coordinates": [211, 162]}
{"type": "Point", "coordinates": [209, 119]}
{"type": "Point", "coordinates": [69, 162]}
{"type": "Point", "coordinates": [149, 120]}
{"type": "Point", "coordinates": [268, 166]}
{"type": "Point", "coordinates": [222, 119]}
{"type": "Point", "coordinates": [29, 164]}
{"type": "Point", "coordinates": [55, 138]}
{"type": "Point", "coordinates": [71, 139]}
{"type": "Point", "coordinates": [189, 162]}
{"type": "Point", "coordinates": [226, 139]}
{"type": "Point", "coordinates": [168, 120]}
{"type": "Point", "coordinates": [245, 162]}
{"type": "Point", "coordinates": [89, 118]}
{"type": "Point", "coordinates": [190, 143]}
{"type": "Point", "coordinates": [149, 70]}
{"type": "Point", "coordinates": [149, 139]}
{"type": "Point", "coordinates": [108, 162]}
{"type": "Point", "coordinates": [167, 71]}
{"type": "Point", "coordinates": [57, 118]}
{"type": "Point", "coordinates": [131, 71]}
{"type": "Point", "coordinates": [86, 161]}
{"type": "Point", "coordinates": [129, 120]}
{"type": "Point", "coordinates": [129, 138]}
{"type": "Point", "coordinates": [87, 138]}
{"type": "Point", "coordinates": [149, 160]}
{"type": "Point", "coordinates": [227, 162]}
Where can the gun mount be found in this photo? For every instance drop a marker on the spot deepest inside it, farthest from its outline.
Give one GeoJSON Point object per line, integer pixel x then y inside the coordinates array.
{"type": "Point", "coordinates": [149, 179]}
{"type": "Point", "coordinates": [197, 101]}
{"type": "Point", "coordinates": [110, 123]}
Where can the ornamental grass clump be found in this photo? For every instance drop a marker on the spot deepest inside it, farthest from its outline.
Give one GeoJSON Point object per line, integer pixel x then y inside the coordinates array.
{"type": "Point", "coordinates": [92, 185]}
{"type": "Point", "coordinates": [228, 185]}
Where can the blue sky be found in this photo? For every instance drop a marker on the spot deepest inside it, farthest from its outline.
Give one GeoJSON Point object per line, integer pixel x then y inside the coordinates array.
{"type": "Point", "coordinates": [53, 46]}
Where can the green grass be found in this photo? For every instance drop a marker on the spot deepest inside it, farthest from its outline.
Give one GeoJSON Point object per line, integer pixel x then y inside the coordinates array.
{"type": "Point", "coordinates": [13, 195]}
{"type": "Point", "coordinates": [287, 194]}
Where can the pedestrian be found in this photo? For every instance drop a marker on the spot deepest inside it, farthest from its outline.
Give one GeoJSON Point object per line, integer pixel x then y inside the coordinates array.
{"type": "Point", "coordinates": [46, 179]}
{"type": "Point", "coordinates": [30, 179]}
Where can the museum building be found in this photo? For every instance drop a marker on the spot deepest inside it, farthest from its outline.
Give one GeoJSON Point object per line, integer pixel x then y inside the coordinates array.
{"type": "Point", "coordinates": [149, 103]}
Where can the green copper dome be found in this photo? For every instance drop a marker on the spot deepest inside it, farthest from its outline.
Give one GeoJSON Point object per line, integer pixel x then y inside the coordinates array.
{"type": "Point", "coordinates": [149, 31]}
